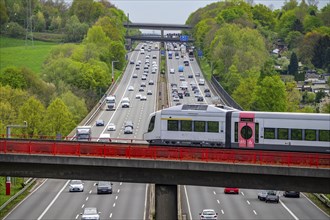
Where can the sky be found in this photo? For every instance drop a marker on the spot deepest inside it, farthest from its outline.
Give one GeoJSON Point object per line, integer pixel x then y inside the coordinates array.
{"type": "Point", "coordinates": [176, 11]}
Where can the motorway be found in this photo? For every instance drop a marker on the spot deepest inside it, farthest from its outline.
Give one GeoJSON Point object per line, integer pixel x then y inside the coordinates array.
{"type": "Point", "coordinates": [52, 200]}
{"type": "Point", "coordinates": [245, 205]}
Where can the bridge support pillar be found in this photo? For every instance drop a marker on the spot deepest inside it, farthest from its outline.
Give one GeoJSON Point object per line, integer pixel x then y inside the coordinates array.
{"type": "Point", "coordinates": [166, 202]}
{"type": "Point", "coordinates": [162, 33]}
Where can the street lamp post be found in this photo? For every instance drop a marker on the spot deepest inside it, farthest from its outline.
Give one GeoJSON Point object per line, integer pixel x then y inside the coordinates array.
{"type": "Point", "coordinates": [112, 75]}
{"type": "Point", "coordinates": [8, 136]}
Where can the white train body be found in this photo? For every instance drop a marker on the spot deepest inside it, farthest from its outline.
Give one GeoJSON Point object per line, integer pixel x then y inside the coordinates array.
{"type": "Point", "coordinates": [213, 126]}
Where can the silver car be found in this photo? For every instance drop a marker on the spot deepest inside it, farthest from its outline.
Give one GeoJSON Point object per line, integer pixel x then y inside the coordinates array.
{"type": "Point", "coordinates": [76, 186]}
{"type": "Point", "coordinates": [90, 213]}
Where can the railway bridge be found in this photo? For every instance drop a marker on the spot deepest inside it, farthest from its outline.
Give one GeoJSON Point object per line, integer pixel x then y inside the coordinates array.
{"type": "Point", "coordinates": [165, 167]}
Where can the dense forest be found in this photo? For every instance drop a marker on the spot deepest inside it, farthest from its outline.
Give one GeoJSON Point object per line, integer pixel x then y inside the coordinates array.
{"type": "Point", "coordinates": [74, 76]}
{"type": "Point", "coordinates": [259, 55]}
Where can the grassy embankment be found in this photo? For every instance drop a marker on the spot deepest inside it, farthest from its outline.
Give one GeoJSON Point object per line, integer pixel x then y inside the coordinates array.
{"type": "Point", "coordinates": [21, 53]}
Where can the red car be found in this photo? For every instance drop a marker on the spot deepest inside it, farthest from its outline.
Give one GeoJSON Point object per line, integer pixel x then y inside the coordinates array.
{"type": "Point", "coordinates": [231, 190]}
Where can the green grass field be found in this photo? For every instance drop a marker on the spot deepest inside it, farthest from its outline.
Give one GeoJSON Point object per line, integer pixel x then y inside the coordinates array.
{"type": "Point", "coordinates": [21, 53]}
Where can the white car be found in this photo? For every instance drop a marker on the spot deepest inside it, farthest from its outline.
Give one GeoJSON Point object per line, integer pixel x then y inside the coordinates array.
{"type": "Point", "coordinates": [143, 98]}
{"type": "Point", "coordinates": [135, 75]}
{"type": "Point", "coordinates": [138, 96]}
{"type": "Point", "coordinates": [149, 92]}
{"type": "Point", "coordinates": [90, 213]}
{"type": "Point", "coordinates": [111, 127]}
{"type": "Point", "coordinates": [208, 214]}
{"type": "Point", "coordinates": [172, 71]}
{"type": "Point", "coordinates": [130, 88]}
{"type": "Point", "coordinates": [76, 186]}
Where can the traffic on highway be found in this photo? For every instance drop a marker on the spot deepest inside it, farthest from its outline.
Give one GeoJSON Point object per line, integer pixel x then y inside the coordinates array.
{"type": "Point", "coordinates": [123, 116]}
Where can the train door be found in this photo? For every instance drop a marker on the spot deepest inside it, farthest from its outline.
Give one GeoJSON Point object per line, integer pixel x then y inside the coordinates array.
{"type": "Point", "coordinates": [246, 130]}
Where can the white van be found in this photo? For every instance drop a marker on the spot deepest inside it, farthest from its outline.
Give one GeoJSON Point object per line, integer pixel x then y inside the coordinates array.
{"type": "Point", "coordinates": [201, 82]}
{"type": "Point", "coordinates": [125, 102]}
{"type": "Point", "coordinates": [110, 99]}
{"type": "Point", "coordinates": [104, 137]}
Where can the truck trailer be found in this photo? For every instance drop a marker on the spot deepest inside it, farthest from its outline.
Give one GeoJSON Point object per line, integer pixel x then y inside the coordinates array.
{"type": "Point", "coordinates": [84, 133]}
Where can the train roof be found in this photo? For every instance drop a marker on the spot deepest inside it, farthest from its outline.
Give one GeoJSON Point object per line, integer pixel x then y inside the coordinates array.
{"type": "Point", "coordinates": [198, 108]}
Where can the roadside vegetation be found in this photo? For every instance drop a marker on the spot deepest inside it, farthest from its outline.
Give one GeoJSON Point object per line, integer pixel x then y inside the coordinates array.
{"type": "Point", "coordinates": [251, 48]}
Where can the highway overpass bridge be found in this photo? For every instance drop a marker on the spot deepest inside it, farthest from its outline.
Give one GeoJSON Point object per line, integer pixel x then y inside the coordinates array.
{"type": "Point", "coordinates": [155, 26]}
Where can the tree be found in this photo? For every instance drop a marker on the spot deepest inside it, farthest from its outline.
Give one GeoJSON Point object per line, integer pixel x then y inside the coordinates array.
{"type": "Point", "coordinates": [244, 94]}
{"type": "Point", "coordinates": [75, 30]}
{"type": "Point", "coordinates": [82, 9]}
{"type": "Point", "coordinates": [293, 66]}
{"type": "Point", "coordinates": [270, 95]}
{"type": "Point", "coordinates": [59, 118]}
{"type": "Point", "coordinates": [39, 22]}
{"type": "Point", "coordinates": [112, 28]}
{"type": "Point", "coordinates": [3, 13]}
{"type": "Point", "coordinates": [311, 22]}
{"type": "Point", "coordinates": [321, 56]}
{"type": "Point", "coordinates": [293, 96]}
{"type": "Point", "coordinates": [76, 106]}
{"type": "Point", "coordinates": [33, 112]}
{"type": "Point", "coordinates": [13, 77]}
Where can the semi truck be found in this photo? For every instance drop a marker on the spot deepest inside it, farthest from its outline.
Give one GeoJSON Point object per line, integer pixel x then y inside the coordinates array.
{"type": "Point", "coordinates": [84, 133]}
{"type": "Point", "coordinates": [110, 103]}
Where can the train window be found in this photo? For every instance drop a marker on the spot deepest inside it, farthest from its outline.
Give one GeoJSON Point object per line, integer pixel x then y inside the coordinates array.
{"type": "Point", "coordinates": [172, 125]}
{"type": "Point", "coordinates": [246, 132]}
{"type": "Point", "coordinates": [236, 131]}
{"type": "Point", "coordinates": [296, 134]}
{"type": "Point", "coordinates": [186, 125]}
{"type": "Point", "coordinates": [283, 133]}
{"type": "Point", "coordinates": [213, 126]}
{"type": "Point", "coordinates": [269, 133]}
{"type": "Point", "coordinates": [324, 135]}
{"type": "Point", "coordinates": [310, 135]}
{"type": "Point", "coordinates": [151, 124]}
{"type": "Point", "coordinates": [199, 126]}
{"type": "Point", "coordinates": [256, 136]}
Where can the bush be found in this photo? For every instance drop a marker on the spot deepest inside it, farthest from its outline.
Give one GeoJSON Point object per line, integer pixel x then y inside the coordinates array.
{"type": "Point", "coordinates": [13, 29]}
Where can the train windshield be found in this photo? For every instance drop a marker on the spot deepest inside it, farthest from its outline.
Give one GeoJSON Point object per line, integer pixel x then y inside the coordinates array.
{"type": "Point", "coordinates": [151, 124]}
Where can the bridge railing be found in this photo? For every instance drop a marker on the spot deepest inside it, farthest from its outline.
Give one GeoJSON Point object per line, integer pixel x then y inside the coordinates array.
{"type": "Point", "coordinates": [144, 151]}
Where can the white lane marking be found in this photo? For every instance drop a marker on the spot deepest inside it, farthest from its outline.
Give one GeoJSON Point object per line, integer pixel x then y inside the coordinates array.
{"type": "Point", "coordinates": [314, 204]}
{"type": "Point", "coordinates": [248, 202]}
{"type": "Point", "coordinates": [254, 211]}
{"type": "Point", "coordinates": [77, 216]}
{"type": "Point", "coordinates": [145, 202]}
{"type": "Point", "coordinates": [26, 198]}
{"type": "Point", "coordinates": [86, 198]}
{"type": "Point", "coordinates": [189, 211]}
{"type": "Point", "coordinates": [218, 201]}
{"type": "Point", "coordinates": [222, 211]}
{"type": "Point", "coordinates": [116, 198]}
{"type": "Point", "coordinates": [110, 215]}
{"type": "Point", "coordinates": [291, 213]}
{"type": "Point", "coordinates": [242, 193]}
{"type": "Point", "coordinates": [83, 205]}
{"type": "Point", "coordinates": [114, 204]}
{"type": "Point", "coordinates": [52, 202]}
{"type": "Point", "coordinates": [90, 191]}
{"type": "Point", "coordinates": [214, 193]}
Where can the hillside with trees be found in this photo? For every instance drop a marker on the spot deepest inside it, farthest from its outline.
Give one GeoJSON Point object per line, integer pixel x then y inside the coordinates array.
{"type": "Point", "coordinates": [260, 55]}
{"type": "Point", "coordinates": [75, 74]}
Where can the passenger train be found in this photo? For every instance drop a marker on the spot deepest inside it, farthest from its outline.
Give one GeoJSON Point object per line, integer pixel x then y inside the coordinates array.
{"type": "Point", "coordinates": [225, 127]}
